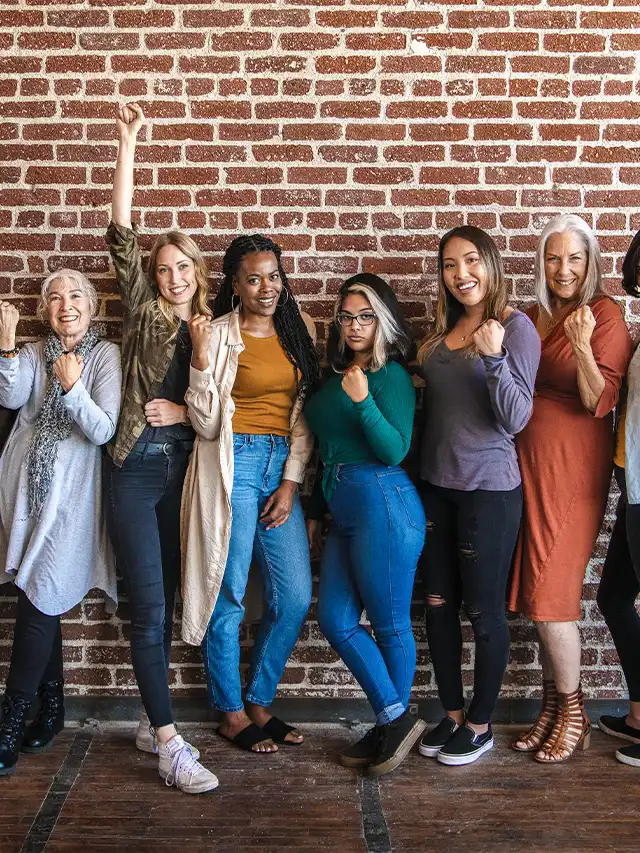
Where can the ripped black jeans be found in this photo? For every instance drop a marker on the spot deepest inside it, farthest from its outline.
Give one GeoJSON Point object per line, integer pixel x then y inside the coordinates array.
{"type": "Point", "coordinates": [466, 560]}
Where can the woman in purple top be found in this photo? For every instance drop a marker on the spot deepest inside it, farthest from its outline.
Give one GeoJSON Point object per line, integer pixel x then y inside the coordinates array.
{"type": "Point", "coordinates": [479, 366]}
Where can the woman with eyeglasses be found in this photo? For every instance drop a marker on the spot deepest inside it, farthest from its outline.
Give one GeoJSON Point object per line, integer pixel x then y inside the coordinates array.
{"type": "Point", "coordinates": [363, 418]}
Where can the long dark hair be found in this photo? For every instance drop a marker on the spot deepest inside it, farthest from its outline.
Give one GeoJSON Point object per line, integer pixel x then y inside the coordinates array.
{"type": "Point", "coordinates": [630, 268]}
{"type": "Point", "coordinates": [393, 341]}
{"type": "Point", "coordinates": [290, 327]}
{"type": "Point", "coordinates": [448, 309]}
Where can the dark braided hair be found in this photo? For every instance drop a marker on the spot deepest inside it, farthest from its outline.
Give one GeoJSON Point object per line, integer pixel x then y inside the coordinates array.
{"type": "Point", "coordinates": [290, 327]}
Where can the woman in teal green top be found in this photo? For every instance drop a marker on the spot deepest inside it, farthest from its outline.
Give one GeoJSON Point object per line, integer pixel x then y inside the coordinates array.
{"type": "Point", "coordinates": [363, 417]}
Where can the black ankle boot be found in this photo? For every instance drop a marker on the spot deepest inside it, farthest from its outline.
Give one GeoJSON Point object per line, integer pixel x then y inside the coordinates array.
{"type": "Point", "coordinates": [49, 720]}
{"type": "Point", "coordinates": [14, 712]}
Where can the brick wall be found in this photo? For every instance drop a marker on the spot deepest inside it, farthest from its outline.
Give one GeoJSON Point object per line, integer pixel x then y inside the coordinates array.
{"type": "Point", "coordinates": [354, 132]}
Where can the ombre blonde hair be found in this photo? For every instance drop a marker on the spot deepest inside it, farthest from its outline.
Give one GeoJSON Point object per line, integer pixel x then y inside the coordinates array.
{"type": "Point", "coordinates": [449, 309]}
{"type": "Point", "coordinates": [188, 247]}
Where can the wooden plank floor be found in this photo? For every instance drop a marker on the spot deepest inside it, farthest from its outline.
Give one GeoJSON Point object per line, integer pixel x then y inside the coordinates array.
{"type": "Point", "coordinates": [93, 792]}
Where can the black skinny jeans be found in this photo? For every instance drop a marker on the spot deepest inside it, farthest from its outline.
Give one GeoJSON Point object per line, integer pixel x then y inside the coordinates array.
{"type": "Point", "coordinates": [36, 655]}
{"type": "Point", "coordinates": [470, 541]}
{"type": "Point", "coordinates": [144, 519]}
{"type": "Point", "coordinates": [620, 587]}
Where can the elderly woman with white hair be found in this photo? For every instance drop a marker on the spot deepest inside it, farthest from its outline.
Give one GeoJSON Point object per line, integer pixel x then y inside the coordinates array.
{"type": "Point", "coordinates": [565, 454]}
{"type": "Point", "coordinates": [53, 542]}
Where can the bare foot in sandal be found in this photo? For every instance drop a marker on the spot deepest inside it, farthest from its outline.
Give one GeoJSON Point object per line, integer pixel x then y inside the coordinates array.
{"type": "Point", "coordinates": [280, 732]}
{"type": "Point", "coordinates": [237, 727]}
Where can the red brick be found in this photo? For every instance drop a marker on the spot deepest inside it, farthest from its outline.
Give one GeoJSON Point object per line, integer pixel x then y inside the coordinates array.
{"type": "Point", "coordinates": [209, 65]}
{"type": "Point", "coordinates": [604, 65]}
{"type": "Point", "coordinates": [138, 19]}
{"type": "Point", "coordinates": [254, 176]}
{"type": "Point", "coordinates": [221, 109]}
{"type": "Point", "coordinates": [577, 175]}
{"type": "Point", "coordinates": [316, 175]}
{"type": "Point", "coordinates": [413, 153]}
{"type": "Point", "coordinates": [213, 18]}
{"type": "Point", "coordinates": [547, 109]}
{"type": "Point", "coordinates": [376, 41]}
{"type": "Point", "coordinates": [515, 175]}
{"type": "Point", "coordinates": [308, 131]}
{"type": "Point", "coordinates": [308, 41]}
{"type": "Point", "coordinates": [285, 109]}
{"type": "Point", "coordinates": [348, 153]}
{"type": "Point", "coordinates": [574, 43]}
{"type": "Point", "coordinates": [504, 131]}
{"type": "Point", "coordinates": [272, 18]}
{"type": "Point", "coordinates": [346, 20]}
{"type": "Point", "coordinates": [174, 41]}
{"type": "Point", "coordinates": [350, 109]}
{"type": "Point", "coordinates": [345, 65]}
{"type": "Point", "coordinates": [448, 175]}
{"type": "Point", "coordinates": [240, 42]}
{"type": "Point", "coordinates": [509, 42]}
{"type": "Point", "coordinates": [483, 109]}
{"type": "Point", "coordinates": [276, 65]}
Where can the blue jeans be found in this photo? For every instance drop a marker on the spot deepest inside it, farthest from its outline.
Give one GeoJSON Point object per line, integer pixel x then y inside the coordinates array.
{"type": "Point", "coordinates": [369, 563]}
{"type": "Point", "coordinates": [282, 556]}
{"type": "Point", "coordinates": [144, 523]}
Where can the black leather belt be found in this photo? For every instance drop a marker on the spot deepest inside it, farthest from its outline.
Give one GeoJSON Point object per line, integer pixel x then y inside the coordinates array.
{"type": "Point", "coordinates": [168, 447]}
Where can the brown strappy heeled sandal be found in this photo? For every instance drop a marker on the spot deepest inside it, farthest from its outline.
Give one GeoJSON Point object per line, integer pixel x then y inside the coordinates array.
{"type": "Point", "coordinates": [533, 738]}
{"type": "Point", "coordinates": [572, 730]}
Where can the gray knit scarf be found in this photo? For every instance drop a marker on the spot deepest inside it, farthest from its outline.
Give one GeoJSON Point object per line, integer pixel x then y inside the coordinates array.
{"type": "Point", "coordinates": [54, 422]}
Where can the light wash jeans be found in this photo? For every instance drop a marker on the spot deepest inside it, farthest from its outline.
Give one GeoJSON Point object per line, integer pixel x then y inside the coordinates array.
{"type": "Point", "coordinates": [282, 556]}
{"type": "Point", "coordinates": [369, 563]}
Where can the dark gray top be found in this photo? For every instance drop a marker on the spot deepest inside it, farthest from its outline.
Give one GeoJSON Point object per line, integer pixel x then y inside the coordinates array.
{"type": "Point", "coordinates": [473, 409]}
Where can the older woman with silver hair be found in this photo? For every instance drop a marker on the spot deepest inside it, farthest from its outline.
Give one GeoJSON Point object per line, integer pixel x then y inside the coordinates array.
{"type": "Point", "coordinates": [53, 542]}
{"type": "Point", "coordinates": [565, 454]}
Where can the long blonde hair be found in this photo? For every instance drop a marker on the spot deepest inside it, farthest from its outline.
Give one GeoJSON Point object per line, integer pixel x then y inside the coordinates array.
{"type": "Point", "coordinates": [188, 247]}
{"type": "Point", "coordinates": [448, 309]}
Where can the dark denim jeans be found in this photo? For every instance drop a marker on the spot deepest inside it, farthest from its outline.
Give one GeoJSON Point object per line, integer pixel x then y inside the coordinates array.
{"type": "Point", "coordinates": [144, 522]}
{"type": "Point", "coordinates": [282, 557]}
{"type": "Point", "coordinates": [36, 655]}
{"type": "Point", "coordinates": [369, 563]}
{"type": "Point", "coordinates": [620, 587]}
{"type": "Point", "coordinates": [471, 537]}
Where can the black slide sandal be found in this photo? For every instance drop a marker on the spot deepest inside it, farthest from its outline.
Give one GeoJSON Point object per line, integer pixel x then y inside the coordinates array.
{"type": "Point", "coordinates": [278, 730]}
{"type": "Point", "coordinates": [248, 738]}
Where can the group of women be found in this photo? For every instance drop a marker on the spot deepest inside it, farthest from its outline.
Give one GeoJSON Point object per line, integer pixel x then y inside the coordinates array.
{"type": "Point", "coordinates": [209, 419]}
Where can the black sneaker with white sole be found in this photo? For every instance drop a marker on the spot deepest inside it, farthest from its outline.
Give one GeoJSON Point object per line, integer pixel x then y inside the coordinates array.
{"type": "Point", "coordinates": [465, 746]}
{"type": "Point", "coordinates": [629, 755]}
{"type": "Point", "coordinates": [431, 743]}
{"type": "Point", "coordinates": [618, 727]}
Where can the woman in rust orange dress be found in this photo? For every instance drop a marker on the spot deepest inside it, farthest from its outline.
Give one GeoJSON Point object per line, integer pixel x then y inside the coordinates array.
{"type": "Point", "coordinates": [565, 454]}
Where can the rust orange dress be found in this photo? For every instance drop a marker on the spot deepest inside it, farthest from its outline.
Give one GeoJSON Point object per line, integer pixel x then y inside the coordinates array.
{"type": "Point", "coordinates": [565, 455]}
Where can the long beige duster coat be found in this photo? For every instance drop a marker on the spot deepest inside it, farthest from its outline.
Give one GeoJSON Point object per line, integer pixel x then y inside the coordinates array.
{"type": "Point", "coordinates": [206, 498]}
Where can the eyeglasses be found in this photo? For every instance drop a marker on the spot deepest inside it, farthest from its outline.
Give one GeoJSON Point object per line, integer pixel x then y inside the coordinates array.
{"type": "Point", "coordinates": [364, 319]}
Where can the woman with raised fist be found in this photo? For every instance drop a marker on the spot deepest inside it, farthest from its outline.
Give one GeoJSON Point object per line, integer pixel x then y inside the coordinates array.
{"type": "Point", "coordinates": [149, 456]}
{"type": "Point", "coordinates": [479, 366]}
{"type": "Point", "coordinates": [565, 456]}
{"type": "Point", "coordinates": [363, 418]}
{"type": "Point", "coordinates": [250, 372]}
{"type": "Point", "coordinates": [53, 541]}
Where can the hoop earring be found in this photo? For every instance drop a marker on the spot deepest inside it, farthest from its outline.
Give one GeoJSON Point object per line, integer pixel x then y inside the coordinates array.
{"type": "Point", "coordinates": [238, 307]}
{"type": "Point", "coordinates": [286, 293]}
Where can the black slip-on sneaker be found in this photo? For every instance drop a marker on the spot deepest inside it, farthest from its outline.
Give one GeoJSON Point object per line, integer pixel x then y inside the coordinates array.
{"type": "Point", "coordinates": [618, 727]}
{"type": "Point", "coordinates": [362, 753]}
{"type": "Point", "coordinates": [431, 743]}
{"type": "Point", "coordinates": [394, 741]}
{"type": "Point", "coordinates": [629, 755]}
{"type": "Point", "coordinates": [465, 746]}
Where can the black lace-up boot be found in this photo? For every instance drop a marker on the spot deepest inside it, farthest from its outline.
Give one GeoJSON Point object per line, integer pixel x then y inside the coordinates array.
{"type": "Point", "coordinates": [49, 720]}
{"type": "Point", "coordinates": [14, 712]}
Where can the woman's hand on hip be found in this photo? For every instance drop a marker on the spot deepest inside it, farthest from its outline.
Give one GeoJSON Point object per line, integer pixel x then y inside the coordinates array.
{"type": "Point", "coordinates": [9, 317]}
{"type": "Point", "coordinates": [67, 369]}
{"type": "Point", "coordinates": [279, 505]}
{"type": "Point", "coordinates": [355, 384]}
{"type": "Point", "coordinates": [579, 327]}
{"type": "Point", "coordinates": [161, 413]}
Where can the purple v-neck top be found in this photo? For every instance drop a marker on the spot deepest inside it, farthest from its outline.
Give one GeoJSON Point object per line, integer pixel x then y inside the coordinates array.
{"type": "Point", "coordinates": [473, 409]}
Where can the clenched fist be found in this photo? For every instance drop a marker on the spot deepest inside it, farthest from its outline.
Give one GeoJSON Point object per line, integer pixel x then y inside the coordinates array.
{"type": "Point", "coordinates": [68, 368]}
{"type": "Point", "coordinates": [200, 330]}
{"type": "Point", "coordinates": [355, 384]}
{"type": "Point", "coordinates": [129, 120]}
{"type": "Point", "coordinates": [9, 317]}
{"type": "Point", "coordinates": [488, 338]}
{"type": "Point", "coordinates": [579, 327]}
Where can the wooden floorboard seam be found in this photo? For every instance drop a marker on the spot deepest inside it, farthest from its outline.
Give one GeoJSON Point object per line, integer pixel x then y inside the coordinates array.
{"type": "Point", "coordinates": [376, 833]}
{"type": "Point", "coordinates": [47, 817]}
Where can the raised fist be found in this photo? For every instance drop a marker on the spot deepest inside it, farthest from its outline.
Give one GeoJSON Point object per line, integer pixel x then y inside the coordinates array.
{"type": "Point", "coordinates": [9, 317]}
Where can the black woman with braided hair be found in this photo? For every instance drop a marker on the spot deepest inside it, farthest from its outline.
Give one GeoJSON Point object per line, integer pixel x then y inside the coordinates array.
{"type": "Point", "coordinates": [251, 369]}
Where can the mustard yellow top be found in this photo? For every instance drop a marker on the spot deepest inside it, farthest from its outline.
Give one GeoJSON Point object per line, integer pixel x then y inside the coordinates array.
{"type": "Point", "coordinates": [265, 388]}
{"type": "Point", "coordinates": [619, 456]}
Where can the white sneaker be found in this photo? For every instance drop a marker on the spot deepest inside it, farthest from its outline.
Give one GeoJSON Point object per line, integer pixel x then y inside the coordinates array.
{"type": "Point", "coordinates": [178, 767]}
{"type": "Point", "coordinates": [146, 740]}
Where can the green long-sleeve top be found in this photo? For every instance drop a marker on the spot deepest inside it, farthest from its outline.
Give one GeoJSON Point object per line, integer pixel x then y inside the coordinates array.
{"type": "Point", "coordinates": [376, 430]}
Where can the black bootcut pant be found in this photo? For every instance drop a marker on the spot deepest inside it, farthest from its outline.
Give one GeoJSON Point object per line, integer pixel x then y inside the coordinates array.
{"type": "Point", "coordinates": [36, 655]}
{"type": "Point", "coordinates": [466, 561]}
{"type": "Point", "coordinates": [620, 587]}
